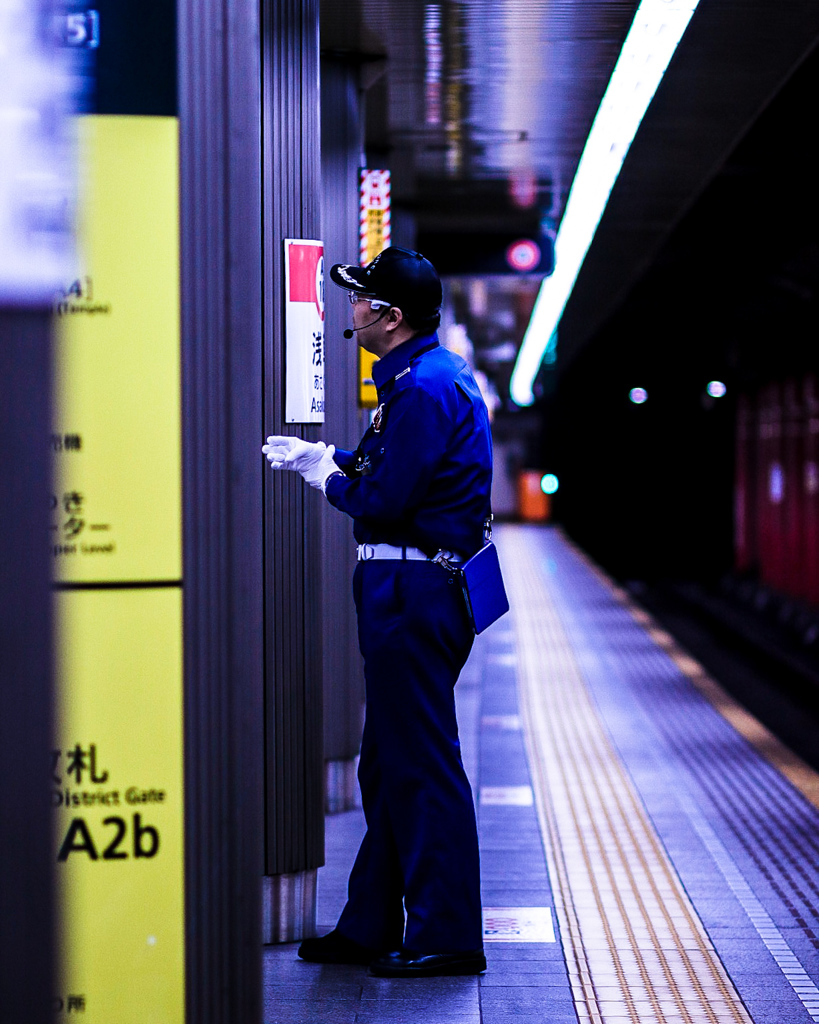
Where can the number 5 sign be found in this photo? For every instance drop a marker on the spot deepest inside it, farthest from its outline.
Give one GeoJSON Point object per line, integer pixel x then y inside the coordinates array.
{"type": "Point", "coordinates": [304, 331]}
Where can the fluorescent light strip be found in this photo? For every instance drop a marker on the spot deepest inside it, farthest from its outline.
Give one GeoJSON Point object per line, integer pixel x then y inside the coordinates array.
{"type": "Point", "coordinates": [656, 31]}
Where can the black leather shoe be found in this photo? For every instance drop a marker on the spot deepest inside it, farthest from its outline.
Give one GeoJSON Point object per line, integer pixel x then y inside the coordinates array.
{"type": "Point", "coordinates": [335, 948]}
{"type": "Point", "coordinates": [405, 963]}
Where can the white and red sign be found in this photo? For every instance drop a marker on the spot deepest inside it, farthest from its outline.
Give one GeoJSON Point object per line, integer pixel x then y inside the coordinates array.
{"type": "Point", "coordinates": [374, 199]}
{"type": "Point", "coordinates": [304, 330]}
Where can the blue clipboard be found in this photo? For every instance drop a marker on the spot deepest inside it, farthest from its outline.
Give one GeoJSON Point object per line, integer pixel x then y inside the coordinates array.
{"type": "Point", "coordinates": [483, 588]}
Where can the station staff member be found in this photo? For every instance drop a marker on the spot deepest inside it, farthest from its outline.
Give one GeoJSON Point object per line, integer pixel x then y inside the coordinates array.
{"type": "Point", "coordinates": [417, 485]}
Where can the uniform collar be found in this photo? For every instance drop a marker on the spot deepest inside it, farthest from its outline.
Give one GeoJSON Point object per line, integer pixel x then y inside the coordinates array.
{"type": "Point", "coordinates": [399, 358]}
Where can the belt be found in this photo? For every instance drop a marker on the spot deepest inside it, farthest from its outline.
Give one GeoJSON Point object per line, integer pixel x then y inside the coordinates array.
{"type": "Point", "coordinates": [366, 552]}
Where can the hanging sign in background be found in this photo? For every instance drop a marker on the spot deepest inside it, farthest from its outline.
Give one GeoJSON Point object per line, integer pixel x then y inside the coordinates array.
{"type": "Point", "coordinates": [304, 330]}
{"type": "Point", "coordinates": [374, 235]}
{"type": "Point", "coordinates": [375, 213]}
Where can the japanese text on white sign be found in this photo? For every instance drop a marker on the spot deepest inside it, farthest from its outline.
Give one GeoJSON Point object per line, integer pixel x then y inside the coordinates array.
{"type": "Point", "coordinates": [304, 330]}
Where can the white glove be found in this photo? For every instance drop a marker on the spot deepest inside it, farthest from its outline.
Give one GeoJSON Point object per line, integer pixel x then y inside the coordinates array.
{"type": "Point", "coordinates": [314, 460]}
{"type": "Point", "coordinates": [318, 473]}
{"type": "Point", "coordinates": [292, 452]}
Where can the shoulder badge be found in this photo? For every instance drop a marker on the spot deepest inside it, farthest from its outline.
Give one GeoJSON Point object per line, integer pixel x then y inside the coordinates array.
{"type": "Point", "coordinates": [378, 419]}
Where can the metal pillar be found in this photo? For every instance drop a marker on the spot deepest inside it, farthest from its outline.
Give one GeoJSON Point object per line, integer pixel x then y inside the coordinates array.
{"type": "Point", "coordinates": [294, 630]}
{"type": "Point", "coordinates": [219, 110]}
{"type": "Point", "coordinates": [26, 683]}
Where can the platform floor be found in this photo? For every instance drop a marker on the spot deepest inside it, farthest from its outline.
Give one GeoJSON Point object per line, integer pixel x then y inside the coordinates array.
{"type": "Point", "coordinates": [649, 852]}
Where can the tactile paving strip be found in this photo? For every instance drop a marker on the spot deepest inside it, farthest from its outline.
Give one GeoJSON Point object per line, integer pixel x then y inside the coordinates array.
{"type": "Point", "coordinates": [773, 822]}
{"type": "Point", "coordinates": [635, 948]}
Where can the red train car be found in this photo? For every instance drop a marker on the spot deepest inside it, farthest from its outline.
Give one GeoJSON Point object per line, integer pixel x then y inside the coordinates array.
{"type": "Point", "coordinates": [810, 486]}
{"type": "Point", "coordinates": [745, 503]}
{"type": "Point", "coordinates": [792, 573]}
{"type": "Point", "coordinates": [770, 489]}
{"type": "Point", "coordinates": [776, 521]}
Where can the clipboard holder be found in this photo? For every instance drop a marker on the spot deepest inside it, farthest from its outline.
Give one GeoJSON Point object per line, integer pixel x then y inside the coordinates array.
{"type": "Point", "coordinates": [481, 581]}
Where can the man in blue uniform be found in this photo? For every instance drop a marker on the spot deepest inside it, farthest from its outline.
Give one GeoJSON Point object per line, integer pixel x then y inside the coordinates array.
{"type": "Point", "coordinates": [417, 488]}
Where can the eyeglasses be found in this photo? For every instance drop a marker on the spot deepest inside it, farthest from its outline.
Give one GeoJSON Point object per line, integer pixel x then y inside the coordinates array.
{"type": "Point", "coordinates": [374, 303]}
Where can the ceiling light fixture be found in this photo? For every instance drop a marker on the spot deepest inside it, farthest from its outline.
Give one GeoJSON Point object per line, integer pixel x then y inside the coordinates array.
{"type": "Point", "coordinates": [656, 31]}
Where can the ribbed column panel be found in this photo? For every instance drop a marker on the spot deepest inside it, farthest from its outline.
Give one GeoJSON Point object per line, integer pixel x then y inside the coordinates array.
{"type": "Point", "coordinates": [219, 75]}
{"type": "Point", "coordinates": [291, 188]}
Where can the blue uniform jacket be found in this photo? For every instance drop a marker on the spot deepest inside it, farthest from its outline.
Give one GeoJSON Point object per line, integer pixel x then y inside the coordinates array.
{"type": "Point", "coordinates": [422, 474]}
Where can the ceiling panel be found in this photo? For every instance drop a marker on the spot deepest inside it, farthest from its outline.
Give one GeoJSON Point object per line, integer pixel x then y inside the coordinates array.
{"type": "Point", "coordinates": [734, 58]}
{"type": "Point", "coordinates": [481, 109]}
{"type": "Point", "coordinates": [487, 91]}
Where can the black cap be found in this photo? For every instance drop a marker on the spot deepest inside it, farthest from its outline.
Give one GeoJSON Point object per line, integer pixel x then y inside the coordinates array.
{"type": "Point", "coordinates": [403, 278]}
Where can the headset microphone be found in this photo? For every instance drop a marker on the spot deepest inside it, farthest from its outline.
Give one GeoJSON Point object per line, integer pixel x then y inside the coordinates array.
{"type": "Point", "coordinates": [352, 330]}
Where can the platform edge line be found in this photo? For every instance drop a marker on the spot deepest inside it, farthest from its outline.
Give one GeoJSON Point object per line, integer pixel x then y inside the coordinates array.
{"type": "Point", "coordinates": [798, 772]}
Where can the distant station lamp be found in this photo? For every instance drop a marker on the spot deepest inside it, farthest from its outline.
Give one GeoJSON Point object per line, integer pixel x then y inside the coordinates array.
{"type": "Point", "coordinates": [549, 483]}
{"type": "Point", "coordinates": [653, 37]}
{"type": "Point", "coordinates": [524, 255]}
{"type": "Point", "coordinates": [716, 389]}
{"type": "Point", "coordinates": [638, 395]}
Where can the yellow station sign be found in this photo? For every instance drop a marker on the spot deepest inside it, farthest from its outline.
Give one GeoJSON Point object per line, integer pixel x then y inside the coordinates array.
{"type": "Point", "coordinates": [117, 764]}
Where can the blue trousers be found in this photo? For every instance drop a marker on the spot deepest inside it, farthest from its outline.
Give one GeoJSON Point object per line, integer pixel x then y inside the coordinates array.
{"type": "Point", "coordinates": [420, 851]}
